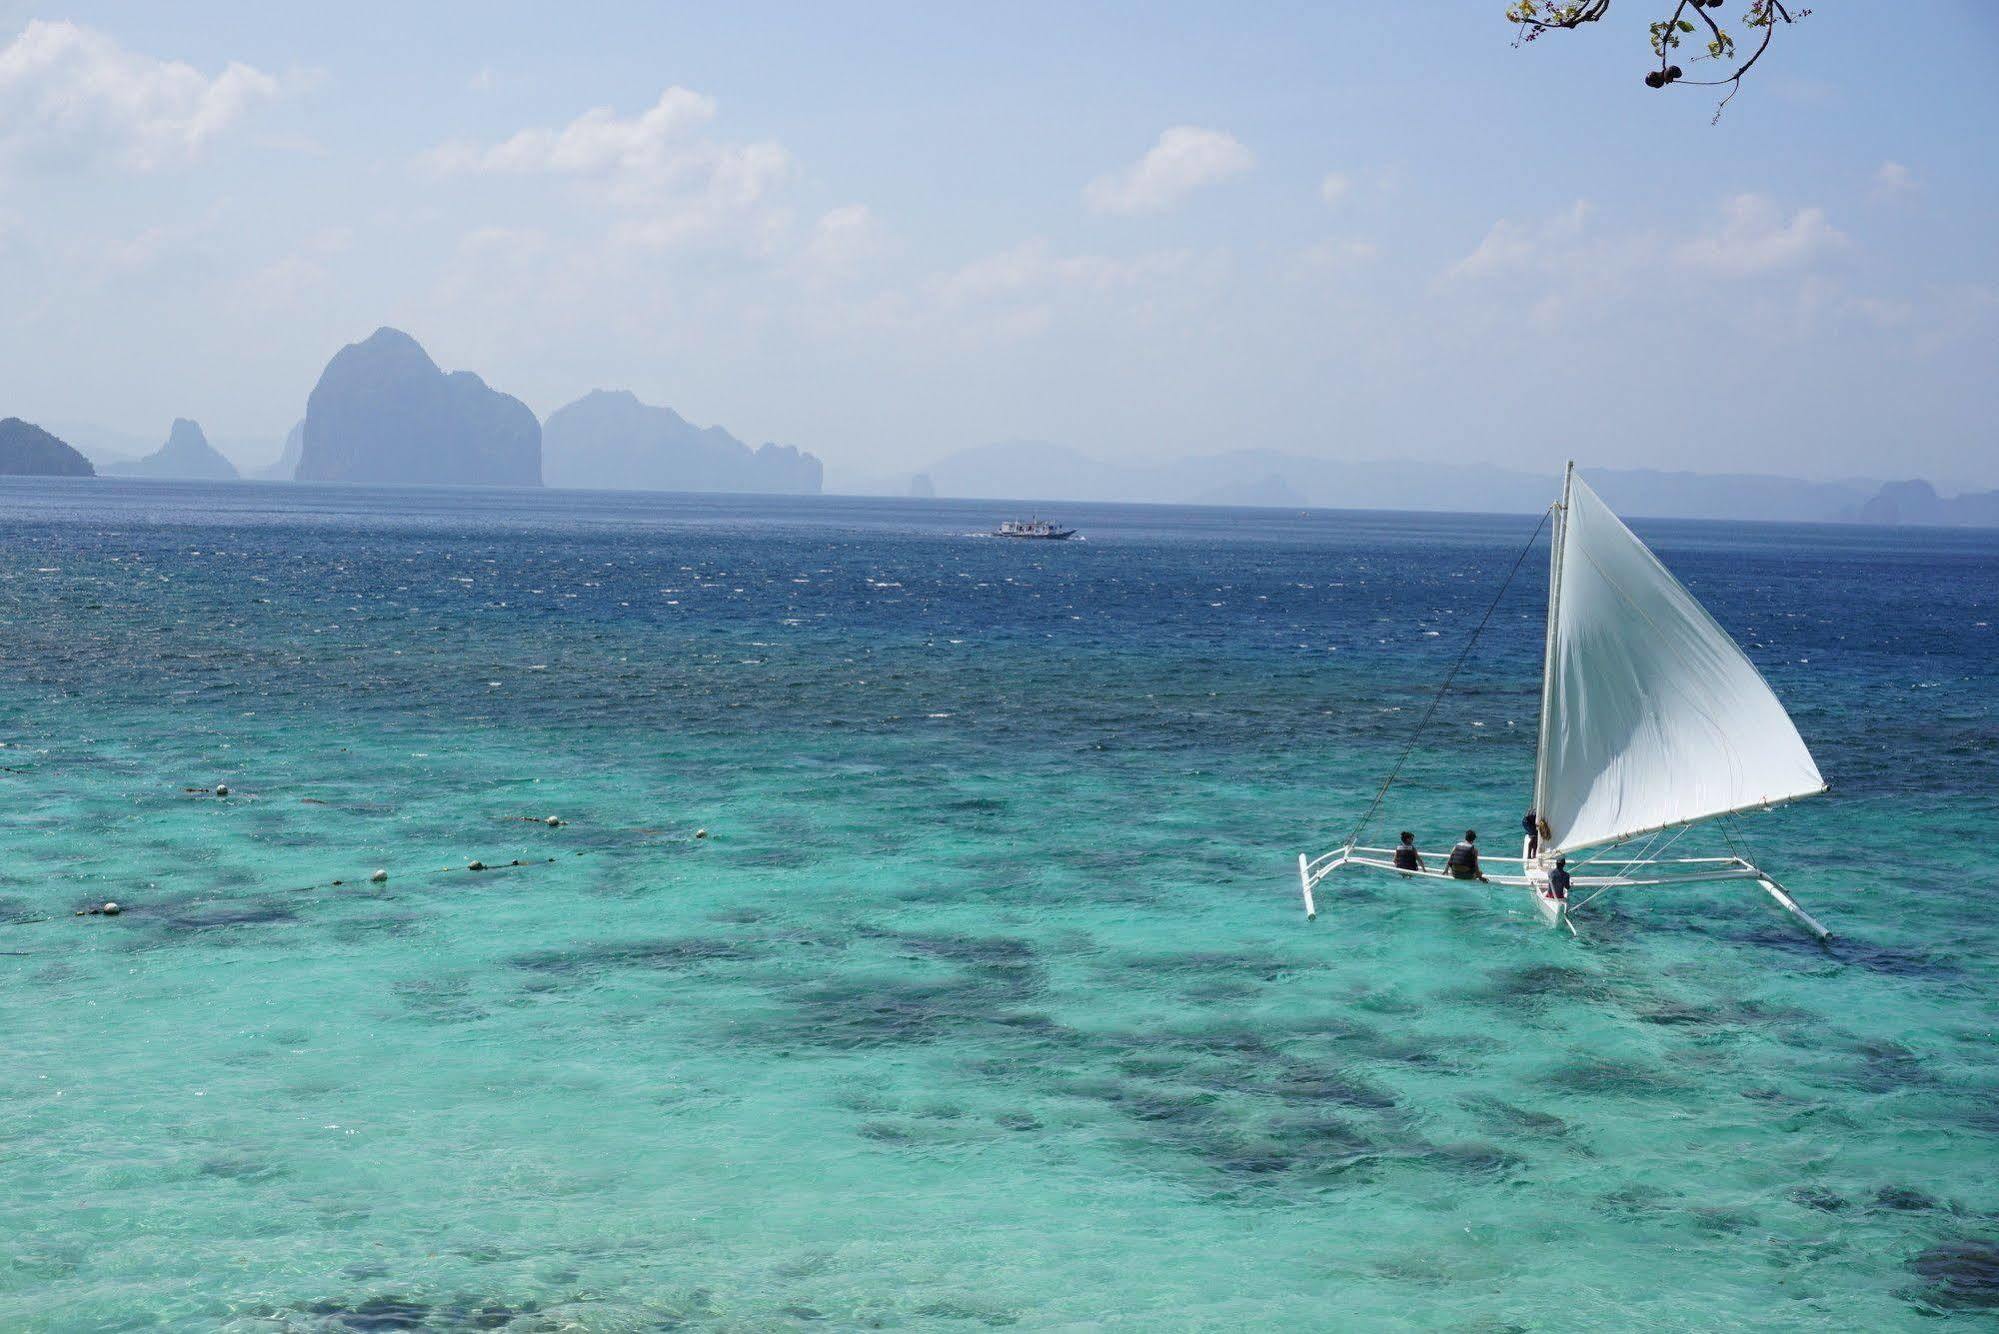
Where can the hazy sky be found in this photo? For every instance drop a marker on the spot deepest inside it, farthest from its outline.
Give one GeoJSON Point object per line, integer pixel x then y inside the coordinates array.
{"type": "Point", "coordinates": [884, 232]}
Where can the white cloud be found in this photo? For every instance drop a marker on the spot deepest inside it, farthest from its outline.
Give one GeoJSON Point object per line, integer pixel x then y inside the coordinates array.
{"type": "Point", "coordinates": [1560, 272]}
{"type": "Point", "coordinates": [1335, 187]}
{"type": "Point", "coordinates": [179, 255]}
{"type": "Point", "coordinates": [842, 239]}
{"type": "Point", "coordinates": [1754, 237]}
{"type": "Point", "coordinates": [69, 93]}
{"type": "Point", "coordinates": [1893, 180]}
{"type": "Point", "coordinates": [1567, 273]}
{"type": "Point", "coordinates": [1034, 266]}
{"type": "Point", "coordinates": [1337, 255]}
{"type": "Point", "coordinates": [1009, 296]}
{"type": "Point", "coordinates": [675, 184]}
{"type": "Point", "coordinates": [595, 143]}
{"type": "Point", "coordinates": [1185, 159]}
{"type": "Point", "coordinates": [139, 252]}
{"type": "Point", "coordinates": [720, 191]}
{"type": "Point", "coordinates": [1511, 246]}
{"type": "Point", "coordinates": [1507, 245]}
{"type": "Point", "coordinates": [1887, 312]}
{"type": "Point", "coordinates": [283, 283]}
{"type": "Point", "coordinates": [489, 257]}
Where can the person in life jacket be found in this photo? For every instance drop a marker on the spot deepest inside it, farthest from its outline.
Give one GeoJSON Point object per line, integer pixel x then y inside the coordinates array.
{"type": "Point", "coordinates": [1406, 856]}
{"type": "Point", "coordinates": [1558, 879]}
{"type": "Point", "coordinates": [1464, 858]}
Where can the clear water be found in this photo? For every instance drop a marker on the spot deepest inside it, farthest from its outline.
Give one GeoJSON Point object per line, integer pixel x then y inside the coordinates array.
{"type": "Point", "coordinates": [987, 999]}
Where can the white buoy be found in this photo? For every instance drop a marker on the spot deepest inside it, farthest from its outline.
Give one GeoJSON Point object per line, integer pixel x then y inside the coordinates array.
{"type": "Point", "coordinates": [475, 866]}
{"type": "Point", "coordinates": [379, 877]}
{"type": "Point", "coordinates": [554, 821]}
{"type": "Point", "coordinates": [700, 833]}
{"type": "Point", "coordinates": [222, 789]}
{"type": "Point", "coordinates": [112, 910]}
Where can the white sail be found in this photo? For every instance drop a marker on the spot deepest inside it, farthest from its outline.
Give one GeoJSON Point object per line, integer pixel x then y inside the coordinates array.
{"type": "Point", "coordinates": [1651, 715]}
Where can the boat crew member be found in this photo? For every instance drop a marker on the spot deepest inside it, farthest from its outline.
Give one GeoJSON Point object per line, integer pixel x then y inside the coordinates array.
{"type": "Point", "coordinates": [1532, 824]}
{"type": "Point", "coordinates": [1464, 858]}
{"type": "Point", "coordinates": [1406, 856]}
{"type": "Point", "coordinates": [1558, 880]}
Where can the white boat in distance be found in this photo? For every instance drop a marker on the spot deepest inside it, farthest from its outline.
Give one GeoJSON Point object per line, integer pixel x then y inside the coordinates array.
{"type": "Point", "coordinates": [1034, 528]}
{"type": "Point", "coordinates": [1652, 720]}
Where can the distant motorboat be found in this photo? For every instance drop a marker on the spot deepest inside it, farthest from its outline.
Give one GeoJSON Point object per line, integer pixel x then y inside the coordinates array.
{"type": "Point", "coordinates": [1040, 529]}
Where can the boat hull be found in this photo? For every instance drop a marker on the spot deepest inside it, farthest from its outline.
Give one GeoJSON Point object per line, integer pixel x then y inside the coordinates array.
{"type": "Point", "coordinates": [1554, 912]}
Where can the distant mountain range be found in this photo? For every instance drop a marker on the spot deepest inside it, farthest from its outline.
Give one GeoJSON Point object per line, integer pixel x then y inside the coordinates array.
{"type": "Point", "coordinates": [1037, 470]}
{"type": "Point", "coordinates": [384, 412]}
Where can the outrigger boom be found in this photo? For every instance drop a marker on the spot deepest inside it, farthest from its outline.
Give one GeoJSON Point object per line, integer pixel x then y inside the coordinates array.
{"type": "Point", "coordinates": [1532, 875]}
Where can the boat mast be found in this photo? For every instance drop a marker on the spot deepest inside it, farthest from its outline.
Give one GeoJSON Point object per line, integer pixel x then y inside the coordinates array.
{"type": "Point", "coordinates": [1548, 647]}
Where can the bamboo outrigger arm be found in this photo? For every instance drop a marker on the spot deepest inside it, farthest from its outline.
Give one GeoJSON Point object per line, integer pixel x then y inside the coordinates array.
{"type": "Point", "coordinates": [1616, 874]}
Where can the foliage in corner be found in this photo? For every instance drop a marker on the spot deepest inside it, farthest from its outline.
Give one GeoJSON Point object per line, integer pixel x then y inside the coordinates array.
{"type": "Point", "coordinates": [1532, 18]}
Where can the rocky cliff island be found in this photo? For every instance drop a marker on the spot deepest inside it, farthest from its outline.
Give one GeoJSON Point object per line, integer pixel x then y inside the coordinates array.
{"type": "Point", "coordinates": [286, 468]}
{"type": "Point", "coordinates": [1917, 502]}
{"type": "Point", "coordinates": [609, 440]}
{"type": "Point", "coordinates": [186, 454]}
{"type": "Point", "coordinates": [383, 412]}
{"type": "Point", "coordinates": [26, 450]}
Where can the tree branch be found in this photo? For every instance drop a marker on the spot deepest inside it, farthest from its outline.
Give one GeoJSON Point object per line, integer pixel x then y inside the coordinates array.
{"type": "Point", "coordinates": [1532, 18]}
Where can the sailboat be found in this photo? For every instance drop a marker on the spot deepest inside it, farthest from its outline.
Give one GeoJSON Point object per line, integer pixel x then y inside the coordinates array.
{"type": "Point", "coordinates": [1653, 720]}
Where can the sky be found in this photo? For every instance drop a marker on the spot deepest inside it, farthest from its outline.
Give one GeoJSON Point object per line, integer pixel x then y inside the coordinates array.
{"type": "Point", "coordinates": [885, 232]}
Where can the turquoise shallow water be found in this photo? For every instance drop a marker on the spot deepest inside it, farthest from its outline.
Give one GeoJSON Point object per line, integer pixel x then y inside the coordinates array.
{"type": "Point", "coordinates": [987, 1000]}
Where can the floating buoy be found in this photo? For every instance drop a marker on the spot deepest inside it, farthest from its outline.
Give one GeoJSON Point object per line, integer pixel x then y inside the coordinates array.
{"type": "Point", "coordinates": [554, 821]}
{"type": "Point", "coordinates": [475, 866]}
{"type": "Point", "coordinates": [378, 877]}
{"type": "Point", "coordinates": [111, 910]}
{"type": "Point", "coordinates": [222, 789]}
{"type": "Point", "coordinates": [700, 833]}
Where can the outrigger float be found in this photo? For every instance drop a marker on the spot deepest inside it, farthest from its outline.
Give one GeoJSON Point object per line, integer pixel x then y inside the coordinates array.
{"type": "Point", "coordinates": [1653, 720]}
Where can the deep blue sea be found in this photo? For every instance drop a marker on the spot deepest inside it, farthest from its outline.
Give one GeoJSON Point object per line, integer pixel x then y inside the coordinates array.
{"type": "Point", "coordinates": [986, 999]}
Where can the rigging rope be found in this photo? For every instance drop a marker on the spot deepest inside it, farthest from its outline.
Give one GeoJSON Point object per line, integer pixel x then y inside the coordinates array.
{"type": "Point", "coordinates": [1452, 675]}
{"type": "Point", "coordinates": [1737, 840]}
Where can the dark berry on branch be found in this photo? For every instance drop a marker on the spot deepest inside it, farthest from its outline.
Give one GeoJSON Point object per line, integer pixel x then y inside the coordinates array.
{"type": "Point", "coordinates": [1655, 80]}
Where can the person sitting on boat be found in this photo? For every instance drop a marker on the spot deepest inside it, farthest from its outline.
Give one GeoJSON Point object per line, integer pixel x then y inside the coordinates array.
{"type": "Point", "coordinates": [1558, 879]}
{"type": "Point", "coordinates": [1406, 856]}
{"type": "Point", "coordinates": [1532, 824]}
{"type": "Point", "coordinates": [1464, 858]}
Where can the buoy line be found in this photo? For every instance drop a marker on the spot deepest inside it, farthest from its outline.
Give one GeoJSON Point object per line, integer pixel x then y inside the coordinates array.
{"type": "Point", "coordinates": [381, 876]}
